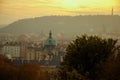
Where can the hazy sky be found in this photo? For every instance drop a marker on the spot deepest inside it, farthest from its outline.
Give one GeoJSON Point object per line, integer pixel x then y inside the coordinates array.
{"type": "Point", "coordinates": [11, 10]}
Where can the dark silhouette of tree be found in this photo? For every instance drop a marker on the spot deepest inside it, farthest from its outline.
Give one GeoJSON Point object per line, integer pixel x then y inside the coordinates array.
{"type": "Point", "coordinates": [23, 72]}
{"type": "Point", "coordinates": [31, 72]}
{"type": "Point", "coordinates": [7, 71]}
{"type": "Point", "coordinates": [85, 53]}
{"type": "Point", "coordinates": [110, 70]}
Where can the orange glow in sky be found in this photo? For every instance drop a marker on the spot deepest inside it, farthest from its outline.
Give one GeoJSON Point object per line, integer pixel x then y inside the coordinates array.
{"type": "Point", "coordinates": [11, 10]}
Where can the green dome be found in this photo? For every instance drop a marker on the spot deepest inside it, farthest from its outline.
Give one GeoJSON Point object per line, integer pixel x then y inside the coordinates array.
{"type": "Point", "coordinates": [50, 42]}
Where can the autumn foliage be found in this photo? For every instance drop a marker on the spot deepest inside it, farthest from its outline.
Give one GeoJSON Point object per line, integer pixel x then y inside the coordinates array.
{"type": "Point", "coordinates": [23, 72]}
{"type": "Point", "coordinates": [31, 72]}
{"type": "Point", "coordinates": [7, 71]}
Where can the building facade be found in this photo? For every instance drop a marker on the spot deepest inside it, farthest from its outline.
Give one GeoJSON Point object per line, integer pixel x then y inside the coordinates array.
{"type": "Point", "coordinates": [13, 49]}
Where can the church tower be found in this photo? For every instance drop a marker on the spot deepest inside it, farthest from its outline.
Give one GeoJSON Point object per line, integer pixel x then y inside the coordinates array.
{"type": "Point", "coordinates": [50, 41]}
{"type": "Point", "coordinates": [50, 34]}
{"type": "Point", "coordinates": [49, 45]}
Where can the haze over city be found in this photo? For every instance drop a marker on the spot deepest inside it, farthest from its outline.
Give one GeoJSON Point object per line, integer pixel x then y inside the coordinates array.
{"type": "Point", "coordinates": [12, 10]}
{"type": "Point", "coordinates": [59, 39]}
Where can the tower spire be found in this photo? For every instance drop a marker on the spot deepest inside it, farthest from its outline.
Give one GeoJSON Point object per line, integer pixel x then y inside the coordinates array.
{"type": "Point", "coordinates": [50, 34]}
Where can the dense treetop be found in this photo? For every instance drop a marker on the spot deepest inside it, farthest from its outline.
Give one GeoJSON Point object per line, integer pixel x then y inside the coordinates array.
{"type": "Point", "coordinates": [85, 53]}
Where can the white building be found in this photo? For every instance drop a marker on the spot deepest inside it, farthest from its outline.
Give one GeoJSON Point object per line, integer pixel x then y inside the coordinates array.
{"type": "Point", "coordinates": [13, 50]}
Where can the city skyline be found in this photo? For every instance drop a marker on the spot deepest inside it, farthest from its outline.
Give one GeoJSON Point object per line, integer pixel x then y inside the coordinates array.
{"type": "Point", "coordinates": [12, 10]}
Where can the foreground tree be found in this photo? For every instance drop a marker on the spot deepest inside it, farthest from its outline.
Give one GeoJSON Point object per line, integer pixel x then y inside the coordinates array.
{"type": "Point", "coordinates": [28, 71]}
{"type": "Point", "coordinates": [7, 71]}
{"type": "Point", "coordinates": [85, 54]}
{"type": "Point", "coordinates": [110, 70]}
{"type": "Point", "coordinates": [31, 72]}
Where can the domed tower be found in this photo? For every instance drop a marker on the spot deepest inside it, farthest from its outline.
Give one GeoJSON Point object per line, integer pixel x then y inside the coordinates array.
{"type": "Point", "coordinates": [49, 45]}
{"type": "Point", "coordinates": [50, 42]}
